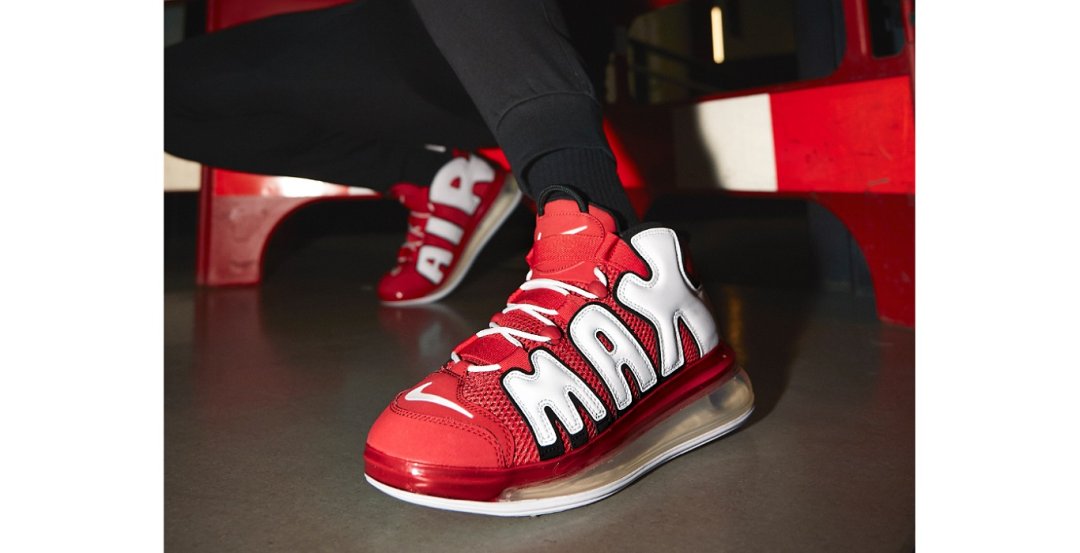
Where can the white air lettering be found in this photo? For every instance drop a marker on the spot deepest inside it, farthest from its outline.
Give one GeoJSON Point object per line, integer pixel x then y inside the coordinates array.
{"type": "Point", "coordinates": [626, 351]}
{"type": "Point", "coordinates": [667, 298]}
{"type": "Point", "coordinates": [465, 173]}
{"type": "Point", "coordinates": [550, 386]}
{"type": "Point", "coordinates": [444, 229]}
{"type": "Point", "coordinates": [430, 262]}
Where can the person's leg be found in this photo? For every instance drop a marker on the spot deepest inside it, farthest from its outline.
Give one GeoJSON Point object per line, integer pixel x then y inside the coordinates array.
{"type": "Point", "coordinates": [605, 361]}
{"type": "Point", "coordinates": [519, 64]}
{"type": "Point", "coordinates": [347, 95]}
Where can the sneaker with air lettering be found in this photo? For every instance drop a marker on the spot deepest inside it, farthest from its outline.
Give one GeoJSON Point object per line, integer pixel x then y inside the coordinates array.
{"type": "Point", "coordinates": [604, 364]}
{"type": "Point", "coordinates": [449, 223]}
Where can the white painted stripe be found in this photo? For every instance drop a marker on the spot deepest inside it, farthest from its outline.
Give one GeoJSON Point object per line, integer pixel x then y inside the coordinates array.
{"type": "Point", "coordinates": [296, 187]}
{"type": "Point", "coordinates": [726, 143]}
{"type": "Point", "coordinates": [444, 229]}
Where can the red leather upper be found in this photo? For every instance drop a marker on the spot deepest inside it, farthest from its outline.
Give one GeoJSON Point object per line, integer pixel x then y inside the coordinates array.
{"type": "Point", "coordinates": [570, 247]}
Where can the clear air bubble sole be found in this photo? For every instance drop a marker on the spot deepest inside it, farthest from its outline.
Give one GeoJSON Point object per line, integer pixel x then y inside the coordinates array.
{"type": "Point", "coordinates": [719, 411]}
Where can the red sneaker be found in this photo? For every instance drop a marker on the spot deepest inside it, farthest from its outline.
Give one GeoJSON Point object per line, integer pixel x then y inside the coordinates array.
{"type": "Point", "coordinates": [604, 364]}
{"type": "Point", "coordinates": [449, 223]}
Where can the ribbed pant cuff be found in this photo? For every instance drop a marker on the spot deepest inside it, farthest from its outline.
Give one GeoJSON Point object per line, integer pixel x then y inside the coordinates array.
{"type": "Point", "coordinates": [589, 171]}
{"type": "Point", "coordinates": [548, 123]}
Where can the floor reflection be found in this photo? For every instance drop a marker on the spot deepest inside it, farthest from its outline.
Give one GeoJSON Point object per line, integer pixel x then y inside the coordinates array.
{"type": "Point", "coordinates": [237, 365]}
{"type": "Point", "coordinates": [270, 392]}
{"type": "Point", "coordinates": [426, 333]}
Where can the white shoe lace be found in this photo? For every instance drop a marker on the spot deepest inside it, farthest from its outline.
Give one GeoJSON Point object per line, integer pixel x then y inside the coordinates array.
{"type": "Point", "coordinates": [417, 231]}
{"type": "Point", "coordinates": [512, 335]}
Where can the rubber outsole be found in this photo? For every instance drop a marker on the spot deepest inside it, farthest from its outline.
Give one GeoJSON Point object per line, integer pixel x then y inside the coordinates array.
{"type": "Point", "coordinates": [715, 414]}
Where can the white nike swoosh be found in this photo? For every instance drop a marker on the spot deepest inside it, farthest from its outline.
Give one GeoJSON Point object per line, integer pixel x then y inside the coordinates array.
{"type": "Point", "coordinates": [576, 230]}
{"type": "Point", "coordinates": [417, 394]}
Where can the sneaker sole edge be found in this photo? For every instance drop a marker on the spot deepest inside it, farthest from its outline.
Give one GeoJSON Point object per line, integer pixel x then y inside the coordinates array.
{"type": "Point", "coordinates": [669, 439]}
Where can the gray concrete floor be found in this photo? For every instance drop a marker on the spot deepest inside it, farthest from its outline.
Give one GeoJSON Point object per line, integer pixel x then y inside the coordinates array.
{"type": "Point", "coordinates": [269, 393]}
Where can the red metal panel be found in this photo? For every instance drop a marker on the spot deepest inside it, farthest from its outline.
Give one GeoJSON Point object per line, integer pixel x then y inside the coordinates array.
{"type": "Point", "coordinates": [233, 183]}
{"type": "Point", "coordinates": [235, 231]}
{"type": "Point", "coordinates": [222, 14]}
{"type": "Point", "coordinates": [855, 137]}
{"type": "Point", "coordinates": [239, 211]}
{"type": "Point", "coordinates": [233, 234]}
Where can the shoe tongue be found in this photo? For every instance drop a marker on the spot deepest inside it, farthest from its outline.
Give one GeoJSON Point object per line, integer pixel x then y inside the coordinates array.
{"type": "Point", "coordinates": [413, 197]}
{"type": "Point", "coordinates": [566, 237]}
{"type": "Point", "coordinates": [567, 247]}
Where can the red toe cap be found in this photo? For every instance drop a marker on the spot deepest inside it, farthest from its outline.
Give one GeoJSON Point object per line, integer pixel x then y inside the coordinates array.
{"type": "Point", "coordinates": [431, 425]}
{"type": "Point", "coordinates": [416, 438]}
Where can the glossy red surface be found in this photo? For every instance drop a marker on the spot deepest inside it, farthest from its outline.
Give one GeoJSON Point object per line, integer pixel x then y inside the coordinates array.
{"type": "Point", "coordinates": [486, 484]}
{"type": "Point", "coordinates": [238, 212]}
{"type": "Point", "coordinates": [855, 137]}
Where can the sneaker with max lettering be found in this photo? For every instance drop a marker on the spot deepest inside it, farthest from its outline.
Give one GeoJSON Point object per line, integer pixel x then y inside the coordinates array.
{"type": "Point", "coordinates": [604, 364]}
{"type": "Point", "coordinates": [449, 223]}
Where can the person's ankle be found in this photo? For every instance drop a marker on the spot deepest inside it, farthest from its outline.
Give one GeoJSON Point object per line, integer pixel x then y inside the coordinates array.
{"type": "Point", "coordinates": [591, 172]}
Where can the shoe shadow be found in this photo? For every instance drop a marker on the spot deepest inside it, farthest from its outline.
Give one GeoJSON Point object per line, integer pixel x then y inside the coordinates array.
{"type": "Point", "coordinates": [765, 338]}
{"type": "Point", "coordinates": [756, 261]}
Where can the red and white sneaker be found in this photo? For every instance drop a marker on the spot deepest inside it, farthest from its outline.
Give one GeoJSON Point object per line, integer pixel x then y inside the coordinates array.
{"type": "Point", "coordinates": [604, 364]}
{"type": "Point", "coordinates": [449, 223]}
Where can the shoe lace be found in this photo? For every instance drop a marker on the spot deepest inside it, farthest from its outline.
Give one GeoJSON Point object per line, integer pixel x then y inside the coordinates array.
{"type": "Point", "coordinates": [541, 314]}
{"type": "Point", "coordinates": [414, 237]}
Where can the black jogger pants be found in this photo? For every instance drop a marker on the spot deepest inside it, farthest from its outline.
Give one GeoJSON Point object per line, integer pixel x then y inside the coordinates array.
{"type": "Point", "coordinates": [351, 94]}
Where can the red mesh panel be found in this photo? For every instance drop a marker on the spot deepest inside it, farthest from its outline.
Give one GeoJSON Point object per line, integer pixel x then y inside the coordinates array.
{"type": "Point", "coordinates": [691, 353]}
{"type": "Point", "coordinates": [558, 252]}
{"type": "Point", "coordinates": [485, 389]}
{"type": "Point", "coordinates": [605, 341]}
